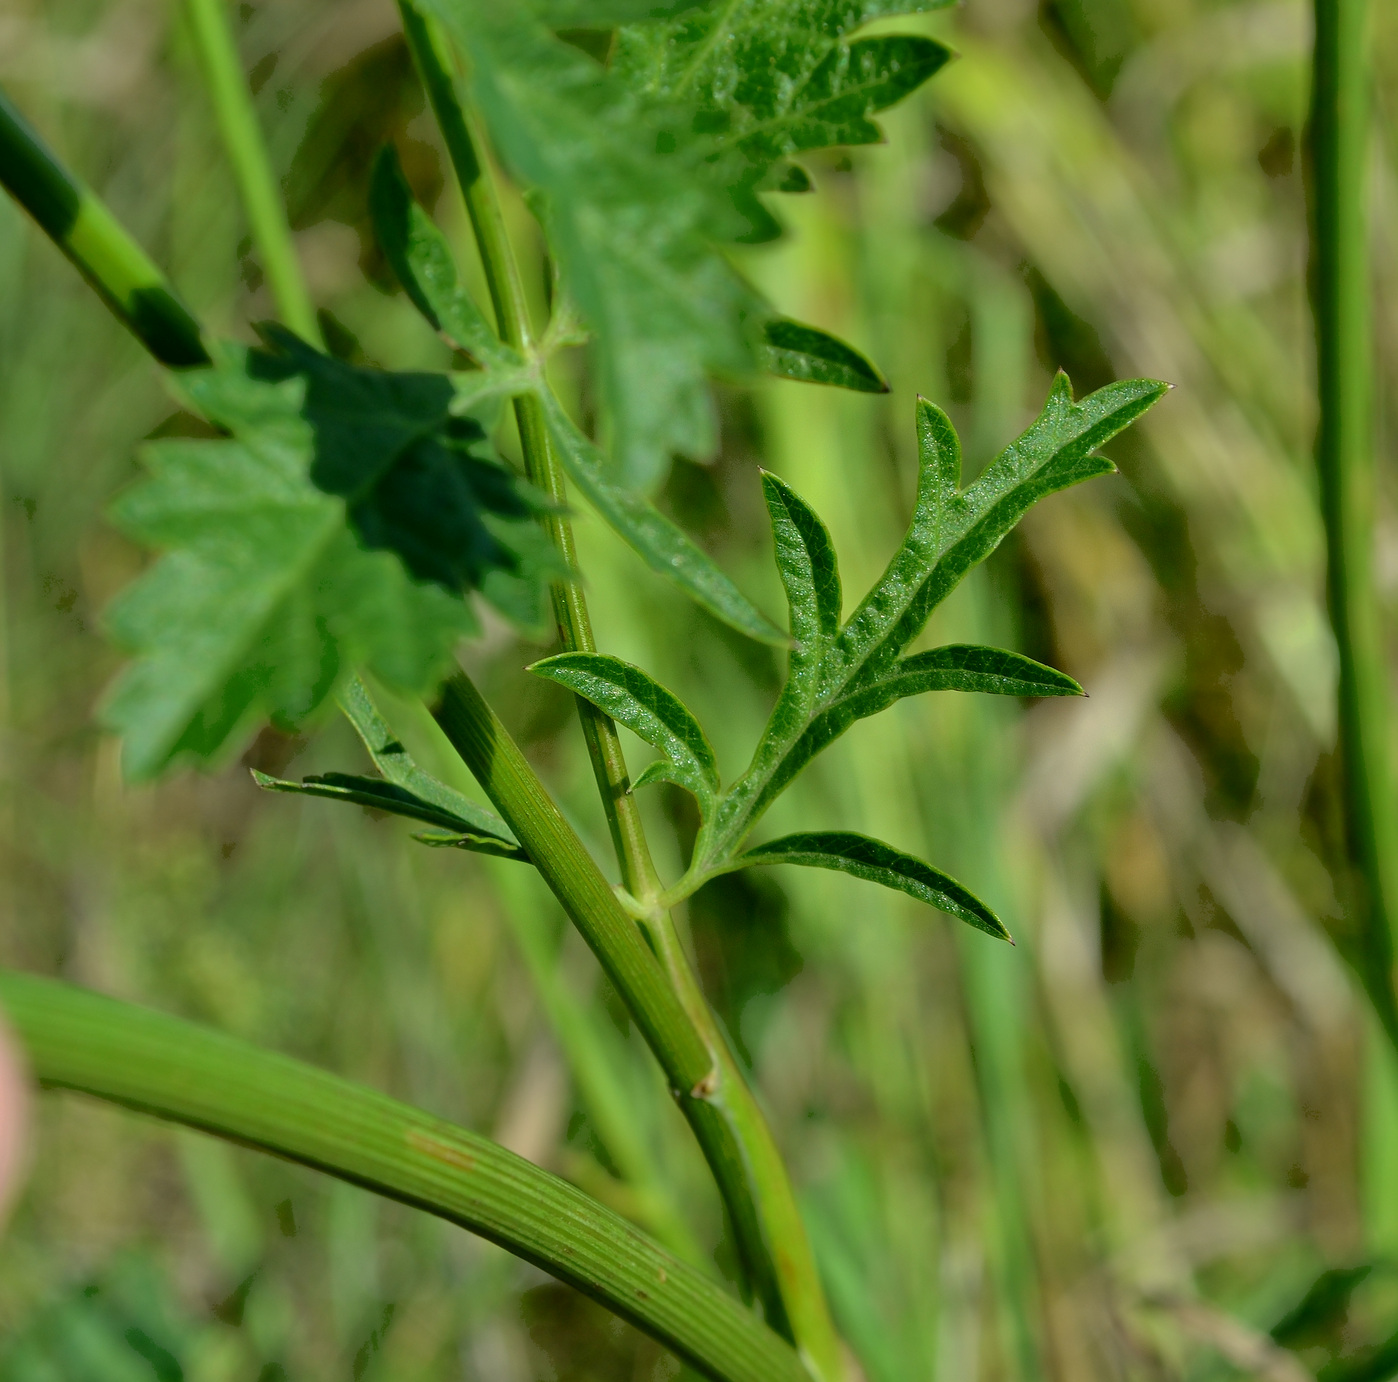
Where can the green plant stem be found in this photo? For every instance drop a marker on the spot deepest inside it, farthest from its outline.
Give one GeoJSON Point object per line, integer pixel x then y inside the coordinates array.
{"type": "Point", "coordinates": [247, 152]}
{"type": "Point", "coordinates": [432, 56]}
{"type": "Point", "coordinates": [752, 1175]}
{"type": "Point", "coordinates": [1340, 120]}
{"type": "Point", "coordinates": [191, 1075]}
{"type": "Point", "coordinates": [730, 1128]}
{"type": "Point", "coordinates": [111, 261]}
{"type": "Point", "coordinates": [593, 1067]}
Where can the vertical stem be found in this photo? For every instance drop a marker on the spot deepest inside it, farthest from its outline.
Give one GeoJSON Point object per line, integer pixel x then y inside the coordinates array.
{"type": "Point", "coordinates": [1340, 118]}
{"type": "Point", "coordinates": [434, 63]}
{"type": "Point", "coordinates": [739, 1146]}
{"type": "Point", "coordinates": [102, 251]}
{"type": "Point", "coordinates": [247, 152]}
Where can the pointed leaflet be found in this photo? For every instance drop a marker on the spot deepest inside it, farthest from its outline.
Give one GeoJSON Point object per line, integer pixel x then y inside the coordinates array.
{"type": "Point", "coordinates": [379, 795]}
{"type": "Point", "coordinates": [793, 350]}
{"type": "Point", "coordinates": [264, 599]}
{"type": "Point", "coordinates": [811, 576]}
{"type": "Point", "coordinates": [399, 768]}
{"type": "Point", "coordinates": [634, 699]}
{"type": "Point", "coordinates": [632, 230]}
{"type": "Point", "coordinates": [770, 78]}
{"type": "Point", "coordinates": [422, 262]}
{"type": "Point", "coordinates": [951, 530]}
{"type": "Point", "coordinates": [657, 541]}
{"type": "Point", "coordinates": [880, 863]}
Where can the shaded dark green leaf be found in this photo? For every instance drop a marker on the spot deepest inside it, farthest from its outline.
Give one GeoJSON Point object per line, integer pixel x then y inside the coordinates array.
{"type": "Point", "coordinates": [795, 351]}
{"type": "Point", "coordinates": [264, 600]}
{"type": "Point", "coordinates": [880, 863]}
{"type": "Point", "coordinates": [379, 795]}
{"type": "Point", "coordinates": [422, 261]}
{"type": "Point", "coordinates": [634, 699]}
{"type": "Point", "coordinates": [657, 541]}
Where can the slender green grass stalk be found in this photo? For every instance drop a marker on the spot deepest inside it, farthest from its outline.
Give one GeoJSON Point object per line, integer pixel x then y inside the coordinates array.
{"type": "Point", "coordinates": [1340, 119]}
{"type": "Point", "coordinates": [111, 261]}
{"type": "Point", "coordinates": [204, 1079]}
{"type": "Point", "coordinates": [247, 152]}
{"type": "Point", "coordinates": [752, 1174]}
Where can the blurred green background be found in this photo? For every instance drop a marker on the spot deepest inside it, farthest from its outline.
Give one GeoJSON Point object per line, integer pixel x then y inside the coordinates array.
{"type": "Point", "coordinates": [1158, 1139]}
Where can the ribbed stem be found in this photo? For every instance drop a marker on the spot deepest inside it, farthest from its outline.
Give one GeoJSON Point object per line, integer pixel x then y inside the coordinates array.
{"type": "Point", "coordinates": [189, 1074]}
{"type": "Point", "coordinates": [740, 1148]}
{"type": "Point", "coordinates": [1343, 286]}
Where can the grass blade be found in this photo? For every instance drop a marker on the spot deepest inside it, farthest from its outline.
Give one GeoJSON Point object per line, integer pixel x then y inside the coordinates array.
{"type": "Point", "coordinates": [192, 1075]}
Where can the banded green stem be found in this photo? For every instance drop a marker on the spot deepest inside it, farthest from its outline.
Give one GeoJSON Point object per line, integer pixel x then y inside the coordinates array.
{"type": "Point", "coordinates": [86, 231]}
{"type": "Point", "coordinates": [741, 1150]}
{"type": "Point", "coordinates": [1340, 120]}
{"type": "Point", "coordinates": [189, 1074]}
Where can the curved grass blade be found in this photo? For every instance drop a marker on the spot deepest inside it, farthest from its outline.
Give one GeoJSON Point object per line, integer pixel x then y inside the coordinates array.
{"type": "Point", "coordinates": [879, 863]}
{"type": "Point", "coordinates": [189, 1074]}
{"type": "Point", "coordinates": [423, 263]}
{"type": "Point", "coordinates": [379, 795]}
{"type": "Point", "coordinates": [635, 699]}
{"type": "Point", "coordinates": [793, 350]}
{"type": "Point", "coordinates": [657, 541]}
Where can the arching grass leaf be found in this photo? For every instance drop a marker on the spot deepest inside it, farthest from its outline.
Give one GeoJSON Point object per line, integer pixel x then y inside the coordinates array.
{"type": "Point", "coordinates": [423, 263]}
{"type": "Point", "coordinates": [648, 710]}
{"type": "Point", "coordinates": [795, 351]}
{"type": "Point", "coordinates": [880, 863]}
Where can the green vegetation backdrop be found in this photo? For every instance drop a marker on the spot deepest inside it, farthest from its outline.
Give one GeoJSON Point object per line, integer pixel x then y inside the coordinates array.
{"type": "Point", "coordinates": [1157, 1139]}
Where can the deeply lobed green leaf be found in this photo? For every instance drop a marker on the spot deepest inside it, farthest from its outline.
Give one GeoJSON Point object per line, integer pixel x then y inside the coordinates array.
{"type": "Point", "coordinates": [336, 528]}
{"type": "Point", "coordinates": [761, 80]}
{"type": "Point", "coordinates": [839, 675]}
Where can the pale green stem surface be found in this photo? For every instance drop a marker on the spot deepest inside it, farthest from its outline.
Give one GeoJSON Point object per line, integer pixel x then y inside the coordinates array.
{"type": "Point", "coordinates": [1343, 288]}
{"type": "Point", "coordinates": [247, 152]}
{"type": "Point", "coordinates": [192, 1075]}
{"type": "Point", "coordinates": [742, 1152]}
